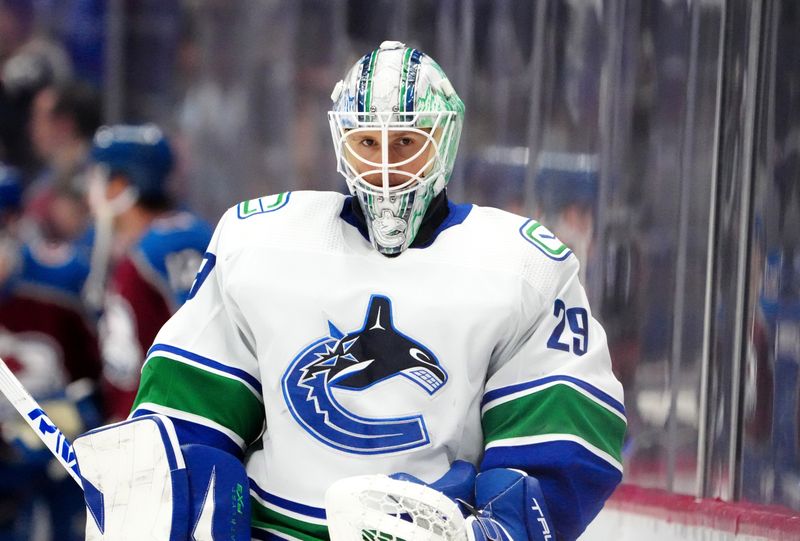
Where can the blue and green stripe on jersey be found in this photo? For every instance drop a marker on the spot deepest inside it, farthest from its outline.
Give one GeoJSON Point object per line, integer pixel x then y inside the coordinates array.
{"type": "Point", "coordinates": [274, 517]}
{"type": "Point", "coordinates": [553, 409]}
{"type": "Point", "coordinates": [192, 388]}
{"type": "Point", "coordinates": [285, 518]}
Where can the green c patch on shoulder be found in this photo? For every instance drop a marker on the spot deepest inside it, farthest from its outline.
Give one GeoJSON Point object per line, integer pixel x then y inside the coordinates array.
{"type": "Point", "coordinates": [544, 240]}
{"type": "Point", "coordinates": [268, 203]}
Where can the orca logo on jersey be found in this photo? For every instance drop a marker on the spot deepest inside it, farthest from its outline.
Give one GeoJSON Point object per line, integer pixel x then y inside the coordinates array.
{"type": "Point", "coordinates": [356, 361]}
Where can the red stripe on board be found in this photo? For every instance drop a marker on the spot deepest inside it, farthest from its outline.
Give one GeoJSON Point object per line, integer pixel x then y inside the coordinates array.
{"type": "Point", "coordinates": [740, 518]}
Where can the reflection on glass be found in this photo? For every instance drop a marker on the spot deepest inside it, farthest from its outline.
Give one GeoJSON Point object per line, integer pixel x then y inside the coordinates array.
{"type": "Point", "coordinates": [771, 441]}
{"type": "Point", "coordinates": [597, 117]}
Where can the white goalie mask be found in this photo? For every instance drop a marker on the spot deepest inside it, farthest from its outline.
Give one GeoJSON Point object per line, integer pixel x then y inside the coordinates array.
{"type": "Point", "coordinates": [396, 122]}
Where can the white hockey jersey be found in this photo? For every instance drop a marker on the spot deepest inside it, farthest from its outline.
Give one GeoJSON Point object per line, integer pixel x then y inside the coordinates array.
{"type": "Point", "coordinates": [321, 358]}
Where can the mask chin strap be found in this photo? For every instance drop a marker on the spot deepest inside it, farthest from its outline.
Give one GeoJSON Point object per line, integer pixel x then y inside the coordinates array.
{"type": "Point", "coordinates": [104, 210]}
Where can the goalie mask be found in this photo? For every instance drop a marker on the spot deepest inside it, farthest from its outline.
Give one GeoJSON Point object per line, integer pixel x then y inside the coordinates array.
{"type": "Point", "coordinates": [396, 122]}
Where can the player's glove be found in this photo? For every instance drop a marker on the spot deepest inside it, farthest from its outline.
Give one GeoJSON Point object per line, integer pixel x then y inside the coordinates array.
{"type": "Point", "coordinates": [510, 507]}
{"type": "Point", "coordinates": [140, 483]}
{"type": "Point", "coordinates": [457, 483]}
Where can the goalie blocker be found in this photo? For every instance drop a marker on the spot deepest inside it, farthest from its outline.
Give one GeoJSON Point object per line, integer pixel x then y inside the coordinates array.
{"type": "Point", "coordinates": [501, 504]}
{"type": "Point", "coordinates": [140, 484]}
{"type": "Point", "coordinates": [511, 507]}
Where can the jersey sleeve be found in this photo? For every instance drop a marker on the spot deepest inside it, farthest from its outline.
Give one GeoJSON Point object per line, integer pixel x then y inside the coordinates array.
{"type": "Point", "coordinates": [202, 371]}
{"type": "Point", "coordinates": [552, 406]}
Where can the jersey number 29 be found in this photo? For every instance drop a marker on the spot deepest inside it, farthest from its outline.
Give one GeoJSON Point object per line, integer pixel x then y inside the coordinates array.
{"type": "Point", "coordinates": [578, 321]}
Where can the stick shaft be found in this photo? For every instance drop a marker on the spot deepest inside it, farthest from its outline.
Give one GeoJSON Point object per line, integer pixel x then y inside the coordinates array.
{"type": "Point", "coordinates": [38, 420]}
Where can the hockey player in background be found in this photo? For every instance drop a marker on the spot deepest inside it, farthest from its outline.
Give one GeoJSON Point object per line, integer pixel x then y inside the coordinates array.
{"type": "Point", "coordinates": [389, 332]}
{"type": "Point", "coordinates": [148, 248]}
{"type": "Point", "coordinates": [49, 342]}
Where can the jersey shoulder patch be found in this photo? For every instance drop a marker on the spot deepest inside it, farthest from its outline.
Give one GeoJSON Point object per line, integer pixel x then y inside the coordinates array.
{"type": "Point", "coordinates": [262, 205]}
{"type": "Point", "coordinates": [492, 236]}
{"type": "Point", "coordinates": [544, 240]}
{"type": "Point", "coordinates": [303, 215]}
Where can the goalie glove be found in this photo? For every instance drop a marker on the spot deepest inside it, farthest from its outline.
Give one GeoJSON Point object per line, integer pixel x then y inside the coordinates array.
{"type": "Point", "coordinates": [140, 484]}
{"type": "Point", "coordinates": [378, 507]}
{"type": "Point", "coordinates": [510, 507]}
{"type": "Point", "coordinates": [458, 483]}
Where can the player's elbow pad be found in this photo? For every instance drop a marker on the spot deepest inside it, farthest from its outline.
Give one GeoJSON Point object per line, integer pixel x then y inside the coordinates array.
{"type": "Point", "coordinates": [510, 507]}
{"type": "Point", "coordinates": [140, 483]}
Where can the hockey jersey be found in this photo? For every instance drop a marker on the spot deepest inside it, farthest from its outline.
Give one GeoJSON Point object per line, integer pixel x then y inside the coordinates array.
{"type": "Point", "coordinates": [146, 287]}
{"type": "Point", "coordinates": [314, 357]}
{"type": "Point", "coordinates": [46, 336]}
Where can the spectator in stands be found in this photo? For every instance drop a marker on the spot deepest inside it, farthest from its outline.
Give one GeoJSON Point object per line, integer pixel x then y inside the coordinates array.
{"type": "Point", "coordinates": [29, 60]}
{"type": "Point", "coordinates": [63, 121]}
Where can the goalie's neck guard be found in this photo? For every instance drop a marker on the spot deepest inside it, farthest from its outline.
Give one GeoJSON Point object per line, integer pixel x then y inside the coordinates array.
{"type": "Point", "coordinates": [437, 213]}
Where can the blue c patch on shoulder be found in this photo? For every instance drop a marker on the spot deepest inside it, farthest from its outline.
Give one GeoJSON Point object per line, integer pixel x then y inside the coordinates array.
{"type": "Point", "coordinates": [544, 240]}
{"type": "Point", "coordinates": [262, 205]}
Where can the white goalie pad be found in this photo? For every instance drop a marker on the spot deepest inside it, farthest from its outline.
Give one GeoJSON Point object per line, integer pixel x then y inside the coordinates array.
{"type": "Point", "coordinates": [376, 507]}
{"type": "Point", "coordinates": [136, 471]}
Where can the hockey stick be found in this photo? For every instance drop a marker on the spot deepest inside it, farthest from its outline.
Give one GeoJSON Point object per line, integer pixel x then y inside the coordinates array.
{"type": "Point", "coordinates": [38, 420]}
{"type": "Point", "coordinates": [377, 507]}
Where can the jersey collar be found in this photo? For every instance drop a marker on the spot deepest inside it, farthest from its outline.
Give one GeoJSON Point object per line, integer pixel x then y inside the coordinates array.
{"type": "Point", "coordinates": [441, 215]}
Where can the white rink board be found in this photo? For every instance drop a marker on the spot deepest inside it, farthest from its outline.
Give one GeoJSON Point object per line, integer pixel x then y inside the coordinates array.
{"type": "Point", "coordinates": [636, 513]}
{"type": "Point", "coordinates": [613, 524]}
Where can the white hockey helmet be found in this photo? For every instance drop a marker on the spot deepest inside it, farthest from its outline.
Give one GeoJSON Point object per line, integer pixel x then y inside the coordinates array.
{"type": "Point", "coordinates": [396, 89]}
